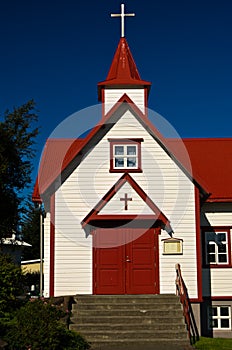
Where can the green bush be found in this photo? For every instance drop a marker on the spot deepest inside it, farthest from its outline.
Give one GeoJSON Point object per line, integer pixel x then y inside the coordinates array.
{"type": "Point", "coordinates": [10, 284]}
{"type": "Point", "coordinates": [36, 326]}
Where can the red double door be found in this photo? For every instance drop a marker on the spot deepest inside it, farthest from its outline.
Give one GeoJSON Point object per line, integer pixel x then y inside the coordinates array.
{"type": "Point", "coordinates": [125, 261]}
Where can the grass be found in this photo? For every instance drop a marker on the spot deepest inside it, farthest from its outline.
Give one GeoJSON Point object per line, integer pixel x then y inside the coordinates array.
{"type": "Point", "coordinates": [213, 344]}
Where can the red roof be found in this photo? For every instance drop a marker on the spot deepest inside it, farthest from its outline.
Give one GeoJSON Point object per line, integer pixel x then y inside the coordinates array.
{"type": "Point", "coordinates": [123, 70]}
{"type": "Point", "coordinates": [210, 160]}
{"type": "Point", "coordinates": [57, 154]}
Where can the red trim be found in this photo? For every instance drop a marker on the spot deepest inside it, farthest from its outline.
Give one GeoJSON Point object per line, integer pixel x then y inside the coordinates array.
{"type": "Point", "coordinates": [217, 229]}
{"type": "Point", "coordinates": [94, 213]}
{"type": "Point", "coordinates": [52, 245]}
{"type": "Point", "coordinates": [157, 270]}
{"type": "Point", "coordinates": [198, 243]}
{"type": "Point", "coordinates": [218, 298]}
{"type": "Point", "coordinates": [196, 300]}
{"type": "Point", "coordinates": [125, 142]}
{"type": "Point", "coordinates": [123, 217]}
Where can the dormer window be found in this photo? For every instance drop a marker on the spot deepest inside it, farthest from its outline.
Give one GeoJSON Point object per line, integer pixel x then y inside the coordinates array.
{"type": "Point", "coordinates": [125, 155]}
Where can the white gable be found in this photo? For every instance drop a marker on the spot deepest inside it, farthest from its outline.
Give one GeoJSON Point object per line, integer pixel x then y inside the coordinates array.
{"type": "Point", "coordinates": [135, 204]}
{"type": "Point", "coordinates": [113, 95]}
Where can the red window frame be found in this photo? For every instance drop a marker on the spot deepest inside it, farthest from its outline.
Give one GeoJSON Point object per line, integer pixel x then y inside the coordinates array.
{"type": "Point", "coordinates": [125, 142]}
{"type": "Point", "coordinates": [205, 230]}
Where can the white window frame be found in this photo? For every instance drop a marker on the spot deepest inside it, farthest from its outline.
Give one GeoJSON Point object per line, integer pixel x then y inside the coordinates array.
{"type": "Point", "coordinates": [219, 317]}
{"type": "Point", "coordinates": [217, 253]}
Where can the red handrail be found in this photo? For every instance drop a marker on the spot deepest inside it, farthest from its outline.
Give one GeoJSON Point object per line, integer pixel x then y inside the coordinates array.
{"type": "Point", "coordinates": [182, 292]}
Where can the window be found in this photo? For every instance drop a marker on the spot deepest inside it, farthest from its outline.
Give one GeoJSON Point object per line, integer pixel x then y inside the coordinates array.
{"type": "Point", "coordinates": [219, 317]}
{"type": "Point", "coordinates": [125, 155]}
{"type": "Point", "coordinates": [217, 247]}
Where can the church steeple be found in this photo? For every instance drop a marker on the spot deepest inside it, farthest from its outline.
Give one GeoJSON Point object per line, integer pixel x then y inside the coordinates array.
{"type": "Point", "coordinates": [123, 72]}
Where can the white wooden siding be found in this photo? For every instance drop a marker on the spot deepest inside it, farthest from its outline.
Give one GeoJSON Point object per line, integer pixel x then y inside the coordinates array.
{"type": "Point", "coordinates": [46, 265]}
{"type": "Point", "coordinates": [217, 282]}
{"type": "Point", "coordinates": [161, 179]}
{"type": "Point", "coordinates": [219, 219]}
{"type": "Point", "coordinates": [216, 214]}
{"type": "Point", "coordinates": [113, 95]}
{"type": "Point", "coordinates": [136, 206]}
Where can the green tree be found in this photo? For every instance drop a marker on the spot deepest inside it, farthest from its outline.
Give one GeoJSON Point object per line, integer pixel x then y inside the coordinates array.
{"type": "Point", "coordinates": [37, 326]}
{"type": "Point", "coordinates": [10, 284]}
{"type": "Point", "coordinates": [17, 138]}
{"type": "Point", "coordinates": [31, 232]}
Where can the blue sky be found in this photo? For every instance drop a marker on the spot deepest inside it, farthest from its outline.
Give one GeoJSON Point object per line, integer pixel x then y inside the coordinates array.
{"type": "Point", "coordinates": [57, 51]}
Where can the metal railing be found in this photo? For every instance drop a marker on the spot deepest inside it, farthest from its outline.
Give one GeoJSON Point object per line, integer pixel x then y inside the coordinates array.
{"type": "Point", "coordinates": [182, 292]}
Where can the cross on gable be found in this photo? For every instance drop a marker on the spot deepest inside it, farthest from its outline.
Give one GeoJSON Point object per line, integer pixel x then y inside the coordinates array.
{"type": "Point", "coordinates": [126, 200]}
{"type": "Point", "coordinates": [122, 15]}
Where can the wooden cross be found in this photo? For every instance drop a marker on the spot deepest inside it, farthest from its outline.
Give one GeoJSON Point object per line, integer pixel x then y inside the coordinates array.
{"type": "Point", "coordinates": [126, 200]}
{"type": "Point", "coordinates": [122, 15]}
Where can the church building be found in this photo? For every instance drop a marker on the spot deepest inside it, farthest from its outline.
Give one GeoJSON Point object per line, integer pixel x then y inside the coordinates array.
{"type": "Point", "coordinates": [124, 204]}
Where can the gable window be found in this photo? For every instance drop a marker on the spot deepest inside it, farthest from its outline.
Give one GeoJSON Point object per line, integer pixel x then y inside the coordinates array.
{"type": "Point", "coordinates": [217, 247]}
{"type": "Point", "coordinates": [125, 155]}
{"type": "Point", "coordinates": [219, 317]}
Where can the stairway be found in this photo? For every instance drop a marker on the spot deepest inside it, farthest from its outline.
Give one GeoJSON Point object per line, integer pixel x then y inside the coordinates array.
{"type": "Point", "coordinates": [129, 320]}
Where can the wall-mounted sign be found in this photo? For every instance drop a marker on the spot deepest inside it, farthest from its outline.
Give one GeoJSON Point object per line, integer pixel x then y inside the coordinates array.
{"type": "Point", "coordinates": [172, 246]}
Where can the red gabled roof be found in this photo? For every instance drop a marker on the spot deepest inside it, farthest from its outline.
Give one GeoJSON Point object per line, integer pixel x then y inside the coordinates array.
{"type": "Point", "coordinates": [209, 163]}
{"type": "Point", "coordinates": [57, 154]}
{"type": "Point", "coordinates": [123, 70]}
{"type": "Point", "coordinates": [211, 160]}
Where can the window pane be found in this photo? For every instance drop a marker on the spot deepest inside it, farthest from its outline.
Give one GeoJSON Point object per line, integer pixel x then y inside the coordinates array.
{"type": "Point", "coordinates": [224, 311]}
{"type": "Point", "coordinates": [213, 311]}
{"type": "Point", "coordinates": [214, 323]}
{"type": "Point", "coordinates": [119, 162]}
{"type": "Point", "coordinates": [119, 150]}
{"type": "Point", "coordinates": [211, 248]}
{"type": "Point", "coordinates": [131, 150]}
{"type": "Point", "coordinates": [131, 162]}
{"type": "Point", "coordinates": [221, 237]}
{"type": "Point", "coordinates": [210, 236]}
{"type": "Point", "coordinates": [211, 258]}
{"type": "Point", "coordinates": [225, 323]}
{"type": "Point", "coordinates": [222, 258]}
{"type": "Point", "coordinates": [222, 248]}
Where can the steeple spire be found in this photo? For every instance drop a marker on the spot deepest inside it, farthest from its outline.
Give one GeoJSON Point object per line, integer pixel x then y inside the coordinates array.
{"type": "Point", "coordinates": [123, 70]}
{"type": "Point", "coordinates": [122, 15]}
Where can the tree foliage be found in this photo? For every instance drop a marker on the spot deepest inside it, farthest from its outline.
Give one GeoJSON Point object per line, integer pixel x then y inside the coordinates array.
{"type": "Point", "coordinates": [31, 232]}
{"type": "Point", "coordinates": [17, 137]}
{"type": "Point", "coordinates": [37, 326]}
{"type": "Point", "coordinates": [10, 284]}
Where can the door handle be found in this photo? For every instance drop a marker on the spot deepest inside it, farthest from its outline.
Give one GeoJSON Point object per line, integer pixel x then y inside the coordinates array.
{"type": "Point", "coordinates": [127, 259]}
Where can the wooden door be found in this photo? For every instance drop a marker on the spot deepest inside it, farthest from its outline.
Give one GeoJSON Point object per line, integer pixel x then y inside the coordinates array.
{"type": "Point", "coordinates": [125, 261]}
{"type": "Point", "coordinates": [141, 263]}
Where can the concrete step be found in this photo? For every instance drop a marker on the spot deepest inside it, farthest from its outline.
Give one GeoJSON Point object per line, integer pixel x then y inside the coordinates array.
{"type": "Point", "coordinates": [165, 320]}
{"type": "Point", "coordinates": [109, 326]}
{"type": "Point", "coordinates": [122, 306]}
{"type": "Point", "coordinates": [144, 298]}
{"type": "Point", "coordinates": [142, 344]}
{"type": "Point", "coordinates": [128, 312]}
{"type": "Point", "coordinates": [143, 334]}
